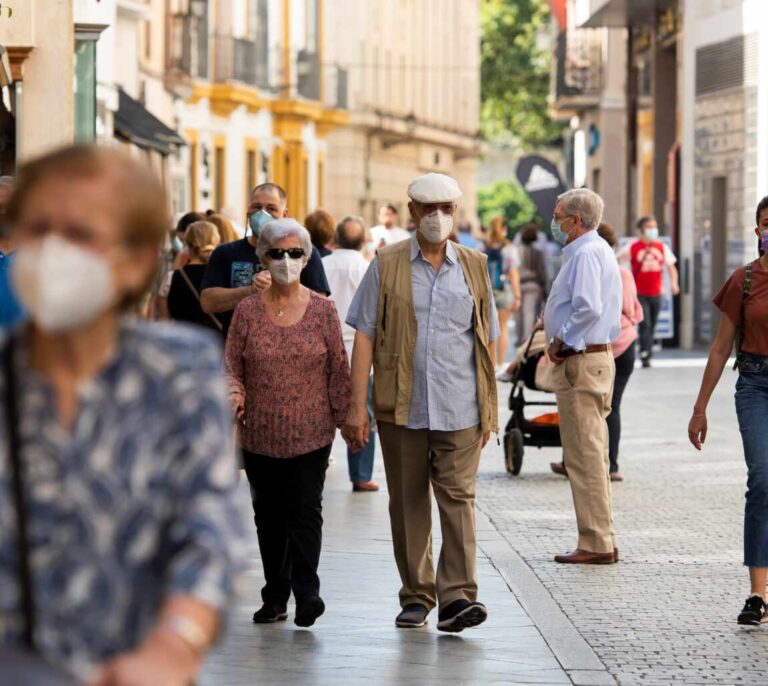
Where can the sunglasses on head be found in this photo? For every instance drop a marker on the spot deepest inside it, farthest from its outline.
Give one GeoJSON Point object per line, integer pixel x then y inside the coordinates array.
{"type": "Point", "coordinates": [279, 253]}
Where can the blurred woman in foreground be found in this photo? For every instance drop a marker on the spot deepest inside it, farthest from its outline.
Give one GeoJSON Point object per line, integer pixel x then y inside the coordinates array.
{"type": "Point", "coordinates": [128, 470]}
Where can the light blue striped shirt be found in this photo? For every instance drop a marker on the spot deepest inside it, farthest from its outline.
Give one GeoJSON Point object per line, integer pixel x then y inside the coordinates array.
{"type": "Point", "coordinates": [584, 305]}
{"type": "Point", "coordinates": [444, 396]}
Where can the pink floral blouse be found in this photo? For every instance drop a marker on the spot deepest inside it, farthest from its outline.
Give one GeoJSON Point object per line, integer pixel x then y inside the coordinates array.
{"type": "Point", "coordinates": [292, 380]}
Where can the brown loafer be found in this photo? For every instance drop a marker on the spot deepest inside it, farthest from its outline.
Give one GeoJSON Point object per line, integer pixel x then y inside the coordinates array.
{"type": "Point", "coordinates": [367, 487]}
{"type": "Point", "coordinates": [585, 557]}
{"type": "Point", "coordinates": [558, 468]}
{"type": "Point", "coordinates": [615, 476]}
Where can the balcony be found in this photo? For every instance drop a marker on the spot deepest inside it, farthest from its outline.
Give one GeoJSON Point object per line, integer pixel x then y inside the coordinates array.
{"type": "Point", "coordinates": [577, 83]}
{"type": "Point", "coordinates": [241, 60]}
{"type": "Point", "coordinates": [336, 90]}
{"type": "Point", "coordinates": [188, 49]}
{"type": "Point", "coordinates": [308, 75]}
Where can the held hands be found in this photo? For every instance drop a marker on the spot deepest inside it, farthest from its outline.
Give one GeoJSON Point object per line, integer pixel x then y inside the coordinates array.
{"type": "Point", "coordinates": [697, 429]}
{"type": "Point", "coordinates": [357, 428]}
{"type": "Point", "coordinates": [162, 659]}
{"type": "Point", "coordinates": [261, 282]}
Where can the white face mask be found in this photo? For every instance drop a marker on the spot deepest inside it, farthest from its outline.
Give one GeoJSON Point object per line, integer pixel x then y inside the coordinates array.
{"type": "Point", "coordinates": [287, 270]}
{"type": "Point", "coordinates": [60, 284]}
{"type": "Point", "coordinates": [436, 227]}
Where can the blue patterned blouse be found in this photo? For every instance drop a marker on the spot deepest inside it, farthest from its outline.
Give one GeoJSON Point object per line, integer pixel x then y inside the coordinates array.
{"type": "Point", "coordinates": [131, 506]}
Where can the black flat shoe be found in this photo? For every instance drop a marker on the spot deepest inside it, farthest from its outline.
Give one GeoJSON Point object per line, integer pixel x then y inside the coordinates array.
{"type": "Point", "coordinates": [754, 612]}
{"type": "Point", "coordinates": [308, 610]}
{"type": "Point", "coordinates": [412, 616]}
{"type": "Point", "coordinates": [461, 614]}
{"type": "Point", "coordinates": [269, 615]}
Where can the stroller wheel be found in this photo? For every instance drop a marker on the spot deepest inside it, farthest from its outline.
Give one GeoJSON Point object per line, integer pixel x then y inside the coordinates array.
{"type": "Point", "coordinates": [514, 449]}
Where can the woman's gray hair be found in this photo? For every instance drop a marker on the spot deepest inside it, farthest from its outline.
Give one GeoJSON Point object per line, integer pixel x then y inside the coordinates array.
{"type": "Point", "coordinates": [276, 230]}
{"type": "Point", "coordinates": [586, 203]}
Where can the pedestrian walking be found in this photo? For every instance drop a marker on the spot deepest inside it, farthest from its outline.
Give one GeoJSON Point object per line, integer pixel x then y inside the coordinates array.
{"type": "Point", "coordinates": [743, 301]}
{"type": "Point", "coordinates": [345, 269]}
{"type": "Point", "coordinates": [235, 271]}
{"type": "Point", "coordinates": [623, 349]}
{"type": "Point", "coordinates": [200, 240]}
{"type": "Point", "coordinates": [505, 281]}
{"type": "Point", "coordinates": [425, 318]}
{"type": "Point", "coordinates": [649, 257]}
{"type": "Point", "coordinates": [466, 236]}
{"type": "Point", "coordinates": [387, 232]}
{"type": "Point", "coordinates": [322, 230]}
{"type": "Point", "coordinates": [116, 447]}
{"type": "Point", "coordinates": [533, 281]}
{"type": "Point", "coordinates": [289, 379]}
{"type": "Point", "coordinates": [581, 319]}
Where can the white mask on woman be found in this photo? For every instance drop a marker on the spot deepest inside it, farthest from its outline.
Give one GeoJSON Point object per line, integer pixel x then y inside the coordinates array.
{"type": "Point", "coordinates": [60, 284]}
{"type": "Point", "coordinates": [436, 227]}
{"type": "Point", "coordinates": [287, 270]}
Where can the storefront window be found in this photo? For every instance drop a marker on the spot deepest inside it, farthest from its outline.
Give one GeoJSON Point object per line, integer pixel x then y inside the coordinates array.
{"type": "Point", "coordinates": [85, 90]}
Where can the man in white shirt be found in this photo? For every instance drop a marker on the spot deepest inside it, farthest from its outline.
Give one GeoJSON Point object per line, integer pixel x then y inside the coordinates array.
{"type": "Point", "coordinates": [345, 268]}
{"type": "Point", "coordinates": [582, 318]}
{"type": "Point", "coordinates": [387, 232]}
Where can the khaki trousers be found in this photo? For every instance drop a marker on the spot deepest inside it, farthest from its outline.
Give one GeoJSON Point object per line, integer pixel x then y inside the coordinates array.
{"type": "Point", "coordinates": [583, 386]}
{"type": "Point", "coordinates": [417, 461]}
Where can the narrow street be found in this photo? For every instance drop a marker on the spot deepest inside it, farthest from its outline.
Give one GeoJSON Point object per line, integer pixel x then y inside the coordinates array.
{"type": "Point", "coordinates": [665, 614]}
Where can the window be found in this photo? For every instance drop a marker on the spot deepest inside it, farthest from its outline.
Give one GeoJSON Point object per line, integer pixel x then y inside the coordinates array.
{"type": "Point", "coordinates": [85, 90]}
{"type": "Point", "coordinates": [219, 162]}
{"type": "Point", "coordinates": [251, 170]}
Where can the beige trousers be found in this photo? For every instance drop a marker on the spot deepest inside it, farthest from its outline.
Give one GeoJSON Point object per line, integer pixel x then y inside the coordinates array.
{"type": "Point", "coordinates": [416, 462]}
{"type": "Point", "coordinates": [584, 386]}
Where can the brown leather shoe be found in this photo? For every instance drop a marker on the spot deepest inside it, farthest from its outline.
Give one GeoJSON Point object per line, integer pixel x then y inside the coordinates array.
{"type": "Point", "coordinates": [559, 468]}
{"type": "Point", "coordinates": [615, 476]}
{"type": "Point", "coordinates": [367, 487]}
{"type": "Point", "coordinates": [615, 554]}
{"type": "Point", "coordinates": [585, 557]}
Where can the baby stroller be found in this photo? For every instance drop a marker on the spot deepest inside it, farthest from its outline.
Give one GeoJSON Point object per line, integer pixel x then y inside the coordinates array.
{"type": "Point", "coordinates": [542, 431]}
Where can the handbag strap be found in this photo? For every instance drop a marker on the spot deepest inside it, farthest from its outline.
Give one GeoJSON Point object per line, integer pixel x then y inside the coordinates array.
{"type": "Point", "coordinates": [23, 566]}
{"type": "Point", "coordinates": [745, 290]}
{"type": "Point", "coordinates": [192, 288]}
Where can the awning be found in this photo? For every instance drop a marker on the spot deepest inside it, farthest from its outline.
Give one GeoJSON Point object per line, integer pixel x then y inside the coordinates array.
{"type": "Point", "coordinates": [621, 13]}
{"type": "Point", "coordinates": [136, 124]}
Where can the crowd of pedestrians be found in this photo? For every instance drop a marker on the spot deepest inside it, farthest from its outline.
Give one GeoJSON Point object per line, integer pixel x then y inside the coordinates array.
{"type": "Point", "coordinates": [120, 463]}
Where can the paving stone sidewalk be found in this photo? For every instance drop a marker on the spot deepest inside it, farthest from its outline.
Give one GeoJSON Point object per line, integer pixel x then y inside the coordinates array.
{"type": "Point", "coordinates": [666, 613]}
{"type": "Point", "coordinates": [356, 641]}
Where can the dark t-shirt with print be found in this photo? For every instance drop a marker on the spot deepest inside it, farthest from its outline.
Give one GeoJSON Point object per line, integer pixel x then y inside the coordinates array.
{"type": "Point", "coordinates": [233, 265]}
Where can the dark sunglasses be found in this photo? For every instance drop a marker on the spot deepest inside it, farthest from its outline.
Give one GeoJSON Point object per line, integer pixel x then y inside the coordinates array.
{"type": "Point", "coordinates": [279, 253]}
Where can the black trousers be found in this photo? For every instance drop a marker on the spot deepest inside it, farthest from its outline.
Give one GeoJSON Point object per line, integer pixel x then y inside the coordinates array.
{"type": "Point", "coordinates": [625, 365]}
{"type": "Point", "coordinates": [651, 307]}
{"type": "Point", "coordinates": [287, 495]}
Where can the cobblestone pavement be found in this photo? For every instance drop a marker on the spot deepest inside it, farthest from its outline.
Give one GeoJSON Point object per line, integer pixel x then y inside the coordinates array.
{"type": "Point", "coordinates": [666, 613]}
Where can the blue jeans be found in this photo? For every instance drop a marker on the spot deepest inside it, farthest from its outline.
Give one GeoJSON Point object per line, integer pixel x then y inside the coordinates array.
{"type": "Point", "coordinates": [361, 463]}
{"type": "Point", "coordinates": [752, 410]}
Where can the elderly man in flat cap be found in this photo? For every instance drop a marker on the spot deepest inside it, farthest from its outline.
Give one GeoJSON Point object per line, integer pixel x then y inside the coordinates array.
{"type": "Point", "coordinates": [425, 318]}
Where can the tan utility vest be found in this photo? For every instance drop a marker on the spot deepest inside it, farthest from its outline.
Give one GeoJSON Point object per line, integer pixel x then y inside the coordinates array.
{"type": "Point", "coordinates": [396, 329]}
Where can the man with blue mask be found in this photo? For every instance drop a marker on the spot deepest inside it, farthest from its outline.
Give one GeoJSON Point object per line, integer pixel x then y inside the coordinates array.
{"type": "Point", "coordinates": [581, 319]}
{"type": "Point", "coordinates": [235, 272]}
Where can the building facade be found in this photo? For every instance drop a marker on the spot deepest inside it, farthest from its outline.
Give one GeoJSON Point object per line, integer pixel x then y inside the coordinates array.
{"type": "Point", "coordinates": [412, 75]}
{"type": "Point", "coordinates": [697, 123]}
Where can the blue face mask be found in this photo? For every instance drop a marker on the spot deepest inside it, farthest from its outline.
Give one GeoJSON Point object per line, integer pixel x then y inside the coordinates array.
{"type": "Point", "coordinates": [258, 220]}
{"type": "Point", "coordinates": [176, 245]}
{"type": "Point", "coordinates": [557, 233]}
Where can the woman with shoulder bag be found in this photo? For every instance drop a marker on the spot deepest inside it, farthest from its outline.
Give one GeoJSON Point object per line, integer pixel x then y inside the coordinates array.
{"type": "Point", "coordinates": [201, 239]}
{"type": "Point", "coordinates": [743, 300]}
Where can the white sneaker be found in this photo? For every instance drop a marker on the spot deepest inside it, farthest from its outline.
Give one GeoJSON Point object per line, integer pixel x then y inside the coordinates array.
{"type": "Point", "coordinates": [504, 376]}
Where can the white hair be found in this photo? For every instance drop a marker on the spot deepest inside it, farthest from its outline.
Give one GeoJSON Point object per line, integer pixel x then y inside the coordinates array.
{"type": "Point", "coordinates": [276, 230]}
{"type": "Point", "coordinates": [584, 202]}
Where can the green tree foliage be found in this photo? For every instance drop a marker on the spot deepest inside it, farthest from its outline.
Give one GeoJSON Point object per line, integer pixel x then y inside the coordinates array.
{"type": "Point", "coordinates": [507, 199]}
{"type": "Point", "coordinates": [515, 74]}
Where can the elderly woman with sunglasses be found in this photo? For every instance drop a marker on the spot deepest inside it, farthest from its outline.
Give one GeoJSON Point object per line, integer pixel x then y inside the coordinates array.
{"type": "Point", "coordinates": [289, 386]}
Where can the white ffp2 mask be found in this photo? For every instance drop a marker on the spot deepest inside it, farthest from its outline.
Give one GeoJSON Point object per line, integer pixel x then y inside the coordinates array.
{"type": "Point", "coordinates": [287, 270]}
{"type": "Point", "coordinates": [436, 227]}
{"type": "Point", "coordinates": [60, 284]}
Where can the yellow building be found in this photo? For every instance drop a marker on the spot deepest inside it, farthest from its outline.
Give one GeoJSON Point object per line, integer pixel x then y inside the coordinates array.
{"type": "Point", "coordinates": [253, 106]}
{"type": "Point", "coordinates": [411, 74]}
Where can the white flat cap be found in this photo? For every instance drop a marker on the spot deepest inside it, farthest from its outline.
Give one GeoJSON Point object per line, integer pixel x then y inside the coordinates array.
{"type": "Point", "coordinates": [434, 188]}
